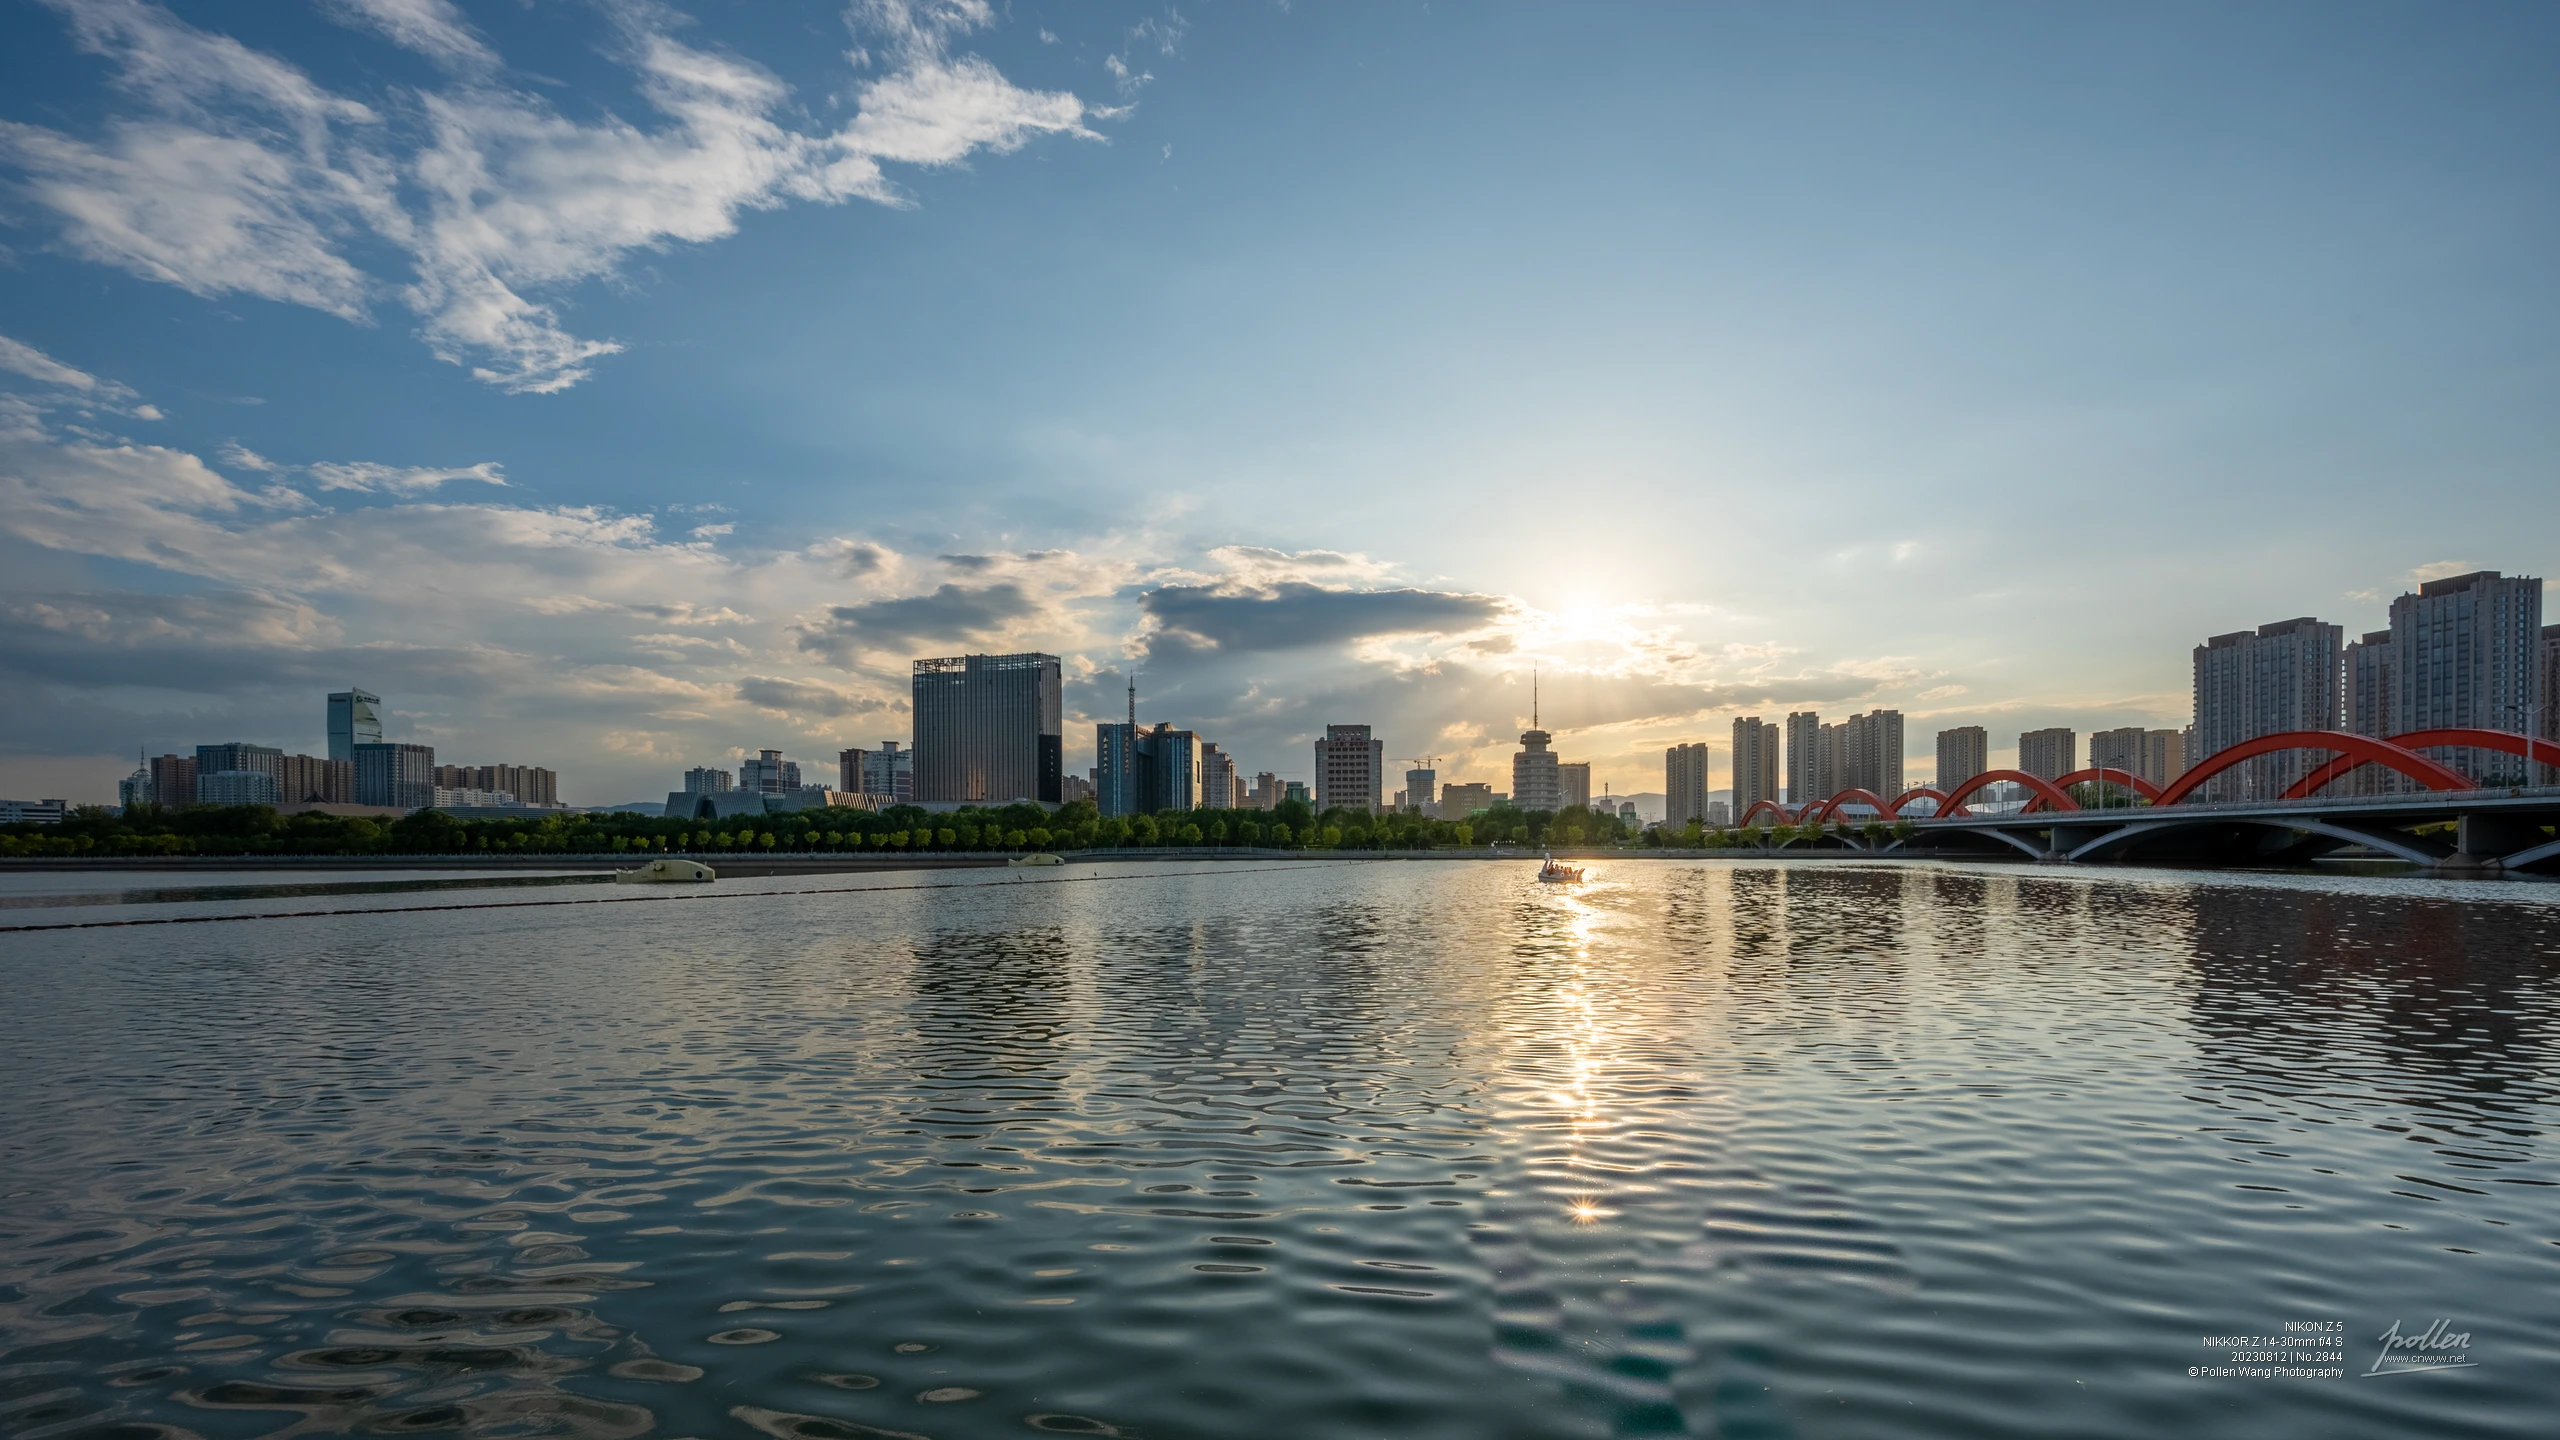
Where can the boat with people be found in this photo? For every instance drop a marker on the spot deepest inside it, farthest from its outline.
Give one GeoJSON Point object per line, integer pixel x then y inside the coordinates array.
{"type": "Point", "coordinates": [1554, 874]}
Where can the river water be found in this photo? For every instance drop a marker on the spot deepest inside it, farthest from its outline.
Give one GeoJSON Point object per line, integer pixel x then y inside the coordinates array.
{"type": "Point", "coordinates": [1327, 1149]}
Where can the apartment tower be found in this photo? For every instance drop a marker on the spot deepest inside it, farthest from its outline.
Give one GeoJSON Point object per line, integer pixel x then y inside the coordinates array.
{"type": "Point", "coordinates": [1755, 763]}
{"type": "Point", "coordinates": [1685, 784]}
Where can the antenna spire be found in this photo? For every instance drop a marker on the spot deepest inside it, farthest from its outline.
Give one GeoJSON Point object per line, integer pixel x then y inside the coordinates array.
{"type": "Point", "coordinates": [1133, 702]}
{"type": "Point", "coordinates": [1533, 697]}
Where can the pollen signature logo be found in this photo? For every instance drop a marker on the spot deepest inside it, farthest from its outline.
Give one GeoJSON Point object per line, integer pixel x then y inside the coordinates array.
{"type": "Point", "coordinates": [2438, 1347]}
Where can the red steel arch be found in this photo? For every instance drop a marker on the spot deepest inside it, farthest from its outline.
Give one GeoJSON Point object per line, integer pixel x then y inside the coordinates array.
{"type": "Point", "coordinates": [2503, 741]}
{"type": "Point", "coordinates": [2042, 789]}
{"type": "Point", "coordinates": [2364, 748]}
{"type": "Point", "coordinates": [2112, 776]}
{"type": "Point", "coordinates": [1829, 809]}
{"type": "Point", "coordinates": [1772, 806]}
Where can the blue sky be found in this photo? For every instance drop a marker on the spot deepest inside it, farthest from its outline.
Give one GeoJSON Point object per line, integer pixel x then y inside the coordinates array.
{"type": "Point", "coordinates": [619, 387]}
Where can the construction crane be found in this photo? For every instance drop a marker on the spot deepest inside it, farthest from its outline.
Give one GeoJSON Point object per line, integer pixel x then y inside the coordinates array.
{"type": "Point", "coordinates": [1422, 762]}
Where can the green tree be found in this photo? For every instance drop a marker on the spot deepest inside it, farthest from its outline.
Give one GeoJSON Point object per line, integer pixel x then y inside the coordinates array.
{"type": "Point", "coordinates": [1016, 839]}
{"type": "Point", "coordinates": [1191, 835]}
{"type": "Point", "coordinates": [1280, 834]}
{"type": "Point", "coordinates": [1038, 836]}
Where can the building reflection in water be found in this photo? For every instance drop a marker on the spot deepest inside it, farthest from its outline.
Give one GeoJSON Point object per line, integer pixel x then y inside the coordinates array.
{"type": "Point", "coordinates": [2435, 1011]}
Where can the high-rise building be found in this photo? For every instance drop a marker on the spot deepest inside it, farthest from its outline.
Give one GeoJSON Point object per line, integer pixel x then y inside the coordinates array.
{"type": "Point", "coordinates": [236, 755]}
{"type": "Point", "coordinates": [355, 718]}
{"type": "Point", "coordinates": [1076, 787]}
{"type": "Point", "coordinates": [987, 729]}
{"type": "Point", "coordinates": [2152, 755]}
{"type": "Point", "coordinates": [1351, 768]}
{"type": "Point", "coordinates": [2164, 756]}
{"type": "Point", "coordinates": [2551, 682]}
{"type": "Point", "coordinates": [2278, 677]}
{"type": "Point", "coordinates": [703, 780]}
{"type": "Point", "coordinates": [1139, 772]}
{"type": "Point", "coordinates": [1963, 753]}
{"type": "Point", "coordinates": [1217, 777]}
{"type": "Point", "coordinates": [1297, 790]}
{"type": "Point", "coordinates": [2118, 749]}
{"type": "Point", "coordinates": [2049, 754]}
{"type": "Point", "coordinates": [235, 787]}
{"type": "Point", "coordinates": [769, 773]}
{"type": "Point", "coordinates": [1535, 782]}
{"type": "Point", "coordinates": [135, 789]}
{"type": "Point", "coordinates": [1806, 754]}
{"type": "Point", "coordinates": [1462, 798]}
{"type": "Point", "coordinates": [1573, 783]}
{"type": "Point", "coordinates": [2467, 652]}
{"type": "Point", "coordinates": [1685, 785]}
{"type": "Point", "coordinates": [1871, 754]}
{"type": "Point", "coordinates": [173, 780]}
{"type": "Point", "coordinates": [1755, 763]}
{"type": "Point", "coordinates": [1421, 789]}
{"type": "Point", "coordinates": [315, 780]}
{"type": "Point", "coordinates": [888, 771]}
{"type": "Point", "coordinates": [2366, 668]}
{"type": "Point", "coordinates": [1266, 791]}
{"type": "Point", "coordinates": [1115, 768]}
{"type": "Point", "coordinates": [1169, 769]}
{"type": "Point", "coordinates": [401, 775]}
{"type": "Point", "coordinates": [2157, 756]}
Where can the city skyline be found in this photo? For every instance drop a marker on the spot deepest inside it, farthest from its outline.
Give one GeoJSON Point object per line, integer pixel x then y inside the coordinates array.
{"type": "Point", "coordinates": [764, 396]}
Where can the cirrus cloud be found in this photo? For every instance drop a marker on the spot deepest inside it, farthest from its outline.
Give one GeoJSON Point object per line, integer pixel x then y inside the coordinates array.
{"type": "Point", "coordinates": [233, 172]}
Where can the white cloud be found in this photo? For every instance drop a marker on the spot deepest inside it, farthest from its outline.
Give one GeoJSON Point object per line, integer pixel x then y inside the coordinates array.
{"type": "Point", "coordinates": [433, 28]}
{"type": "Point", "coordinates": [244, 176]}
{"type": "Point", "coordinates": [519, 631]}
{"type": "Point", "coordinates": [396, 479]}
{"type": "Point", "coordinates": [19, 358]}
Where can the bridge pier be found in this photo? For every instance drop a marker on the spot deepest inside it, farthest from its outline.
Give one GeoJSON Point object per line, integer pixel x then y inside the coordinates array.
{"type": "Point", "coordinates": [2483, 841]}
{"type": "Point", "coordinates": [2063, 840]}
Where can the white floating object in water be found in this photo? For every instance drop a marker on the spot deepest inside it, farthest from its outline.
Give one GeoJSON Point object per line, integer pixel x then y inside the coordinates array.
{"type": "Point", "coordinates": [1041, 858]}
{"type": "Point", "coordinates": [667, 871]}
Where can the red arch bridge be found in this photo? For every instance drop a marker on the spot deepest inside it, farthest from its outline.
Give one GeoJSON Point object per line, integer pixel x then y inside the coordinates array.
{"type": "Point", "coordinates": [2493, 824]}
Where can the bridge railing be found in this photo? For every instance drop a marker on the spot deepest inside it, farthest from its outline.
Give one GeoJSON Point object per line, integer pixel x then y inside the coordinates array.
{"type": "Point", "coordinates": [2405, 799]}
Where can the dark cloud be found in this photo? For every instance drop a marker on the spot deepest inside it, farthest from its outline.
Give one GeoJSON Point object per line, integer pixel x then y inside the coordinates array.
{"type": "Point", "coordinates": [950, 612]}
{"type": "Point", "coordinates": [856, 558]}
{"type": "Point", "coordinates": [968, 564]}
{"type": "Point", "coordinates": [1295, 615]}
{"type": "Point", "coordinates": [800, 697]}
{"type": "Point", "coordinates": [228, 643]}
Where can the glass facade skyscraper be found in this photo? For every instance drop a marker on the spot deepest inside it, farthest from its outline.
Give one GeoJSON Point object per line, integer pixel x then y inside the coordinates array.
{"type": "Point", "coordinates": [988, 729]}
{"type": "Point", "coordinates": [355, 718]}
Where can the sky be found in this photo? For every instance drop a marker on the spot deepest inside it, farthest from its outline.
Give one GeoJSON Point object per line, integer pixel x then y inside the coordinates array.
{"type": "Point", "coordinates": [624, 387]}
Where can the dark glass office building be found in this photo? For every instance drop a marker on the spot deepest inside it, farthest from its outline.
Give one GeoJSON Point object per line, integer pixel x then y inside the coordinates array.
{"type": "Point", "coordinates": [988, 729]}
